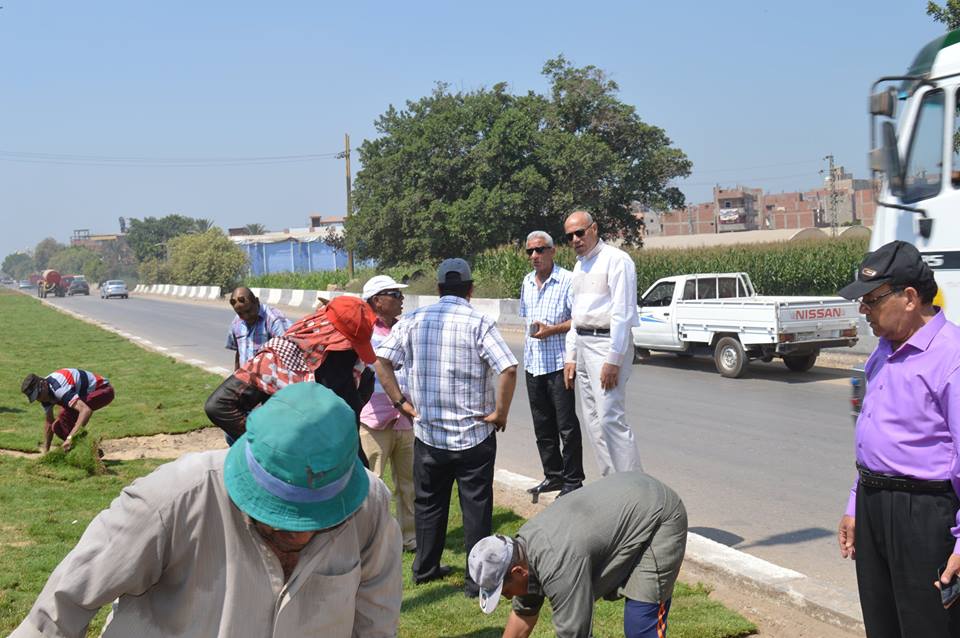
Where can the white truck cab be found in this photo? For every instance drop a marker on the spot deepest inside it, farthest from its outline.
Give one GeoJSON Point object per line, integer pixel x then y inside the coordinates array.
{"type": "Point", "coordinates": [919, 156]}
{"type": "Point", "coordinates": [720, 314]}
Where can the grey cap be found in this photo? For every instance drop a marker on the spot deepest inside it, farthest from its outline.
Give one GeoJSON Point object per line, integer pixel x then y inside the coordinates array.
{"type": "Point", "coordinates": [453, 271]}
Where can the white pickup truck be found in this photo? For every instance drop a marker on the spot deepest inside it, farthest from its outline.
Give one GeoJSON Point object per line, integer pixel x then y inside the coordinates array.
{"type": "Point", "coordinates": [722, 315]}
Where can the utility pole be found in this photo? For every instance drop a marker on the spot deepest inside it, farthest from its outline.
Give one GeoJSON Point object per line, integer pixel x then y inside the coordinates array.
{"type": "Point", "coordinates": [833, 196]}
{"type": "Point", "coordinates": [346, 156]}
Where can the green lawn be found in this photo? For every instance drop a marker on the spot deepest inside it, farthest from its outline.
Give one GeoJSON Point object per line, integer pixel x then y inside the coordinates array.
{"type": "Point", "coordinates": [45, 506]}
{"type": "Point", "coordinates": [155, 394]}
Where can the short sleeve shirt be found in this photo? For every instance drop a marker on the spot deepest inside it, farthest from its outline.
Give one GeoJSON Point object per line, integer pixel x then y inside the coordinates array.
{"type": "Point", "coordinates": [247, 340]}
{"type": "Point", "coordinates": [69, 384]}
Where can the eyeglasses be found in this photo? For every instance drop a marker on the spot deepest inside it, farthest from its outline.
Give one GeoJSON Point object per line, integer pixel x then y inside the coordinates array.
{"type": "Point", "coordinates": [873, 302]}
{"type": "Point", "coordinates": [578, 233]}
{"type": "Point", "coordinates": [396, 294]}
{"type": "Point", "coordinates": [235, 300]}
{"type": "Point", "coordinates": [537, 249]}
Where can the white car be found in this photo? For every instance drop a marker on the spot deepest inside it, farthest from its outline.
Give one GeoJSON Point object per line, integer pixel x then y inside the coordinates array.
{"type": "Point", "coordinates": [114, 288]}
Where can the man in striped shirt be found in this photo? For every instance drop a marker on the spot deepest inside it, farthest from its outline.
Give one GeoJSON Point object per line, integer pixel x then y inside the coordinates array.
{"type": "Point", "coordinates": [255, 324]}
{"type": "Point", "coordinates": [451, 352]}
{"type": "Point", "coordinates": [545, 302]}
{"type": "Point", "coordinates": [77, 392]}
{"type": "Point", "coordinates": [600, 340]}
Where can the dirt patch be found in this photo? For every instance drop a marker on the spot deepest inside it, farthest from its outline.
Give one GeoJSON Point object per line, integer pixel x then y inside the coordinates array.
{"type": "Point", "coordinates": [163, 446]}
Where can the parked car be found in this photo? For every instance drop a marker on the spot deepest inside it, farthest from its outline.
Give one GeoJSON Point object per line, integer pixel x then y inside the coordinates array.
{"type": "Point", "coordinates": [78, 286]}
{"type": "Point", "coordinates": [25, 283]}
{"type": "Point", "coordinates": [114, 288]}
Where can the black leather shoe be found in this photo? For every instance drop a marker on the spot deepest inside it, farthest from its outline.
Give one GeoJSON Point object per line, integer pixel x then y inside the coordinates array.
{"type": "Point", "coordinates": [546, 486]}
{"type": "Point", "coordinates": [568, 488]}
{"type": "Point", "coordinates": [441, 572]}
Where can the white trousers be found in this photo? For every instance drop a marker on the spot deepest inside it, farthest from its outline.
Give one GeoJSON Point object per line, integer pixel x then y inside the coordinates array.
{"type": "Point", "coordinates": [603, 411]}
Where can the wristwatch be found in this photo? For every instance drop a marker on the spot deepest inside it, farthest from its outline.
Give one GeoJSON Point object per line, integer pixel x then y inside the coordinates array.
{"type": "Point", "coordinates": [398, 403]}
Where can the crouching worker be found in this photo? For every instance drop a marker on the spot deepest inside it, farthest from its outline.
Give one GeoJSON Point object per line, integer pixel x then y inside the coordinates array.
{"type": "Point", "coordinates": [78, 393]}
{"type": "Point", "coordinates": [621, 536]}
{"type": "Point", "coordinates": [285, 534]}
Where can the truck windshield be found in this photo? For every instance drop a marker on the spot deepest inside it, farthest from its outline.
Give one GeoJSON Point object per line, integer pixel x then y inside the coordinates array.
{"type": "Point", "coordinates": [924, 168]}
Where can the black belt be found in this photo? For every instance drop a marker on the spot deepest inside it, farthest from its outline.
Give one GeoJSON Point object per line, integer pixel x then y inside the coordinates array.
{"type": "Point", "coordinates": [901, 483]}
{"type": "Point", "coordinates": [594, 332]}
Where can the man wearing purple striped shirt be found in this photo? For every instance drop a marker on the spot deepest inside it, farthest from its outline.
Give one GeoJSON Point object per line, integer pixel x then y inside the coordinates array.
{"type": "Point", "coordinates": [901, 520]}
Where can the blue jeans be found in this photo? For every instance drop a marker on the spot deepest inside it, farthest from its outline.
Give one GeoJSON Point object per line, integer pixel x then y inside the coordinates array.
{"type": "Point", "coordinates": [645, 620]}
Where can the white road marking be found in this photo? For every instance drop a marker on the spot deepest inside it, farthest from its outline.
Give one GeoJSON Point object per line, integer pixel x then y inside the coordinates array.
{"type": "Point", "coordinates": [161, 348]}
{"type": "Point", "coordinates": [177, 355]}
{"type": "Point", "coordinates": [196, 362]}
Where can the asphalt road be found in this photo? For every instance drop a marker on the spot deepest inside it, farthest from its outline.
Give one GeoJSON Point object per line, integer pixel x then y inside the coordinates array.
{"type": "Point", "coordinates": [764, 463]}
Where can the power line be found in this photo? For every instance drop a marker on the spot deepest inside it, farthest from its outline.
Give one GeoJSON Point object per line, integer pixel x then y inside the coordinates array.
{"type": "Point", "coordinates": [753, 168]}
{"type": "Point", "coordinates": [138, 161]}
{"type": "Point", "coordinates": [748, 180]}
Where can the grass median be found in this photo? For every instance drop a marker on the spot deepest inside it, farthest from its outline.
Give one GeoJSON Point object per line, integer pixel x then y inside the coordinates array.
{"type": "Point", "coordinates": [47, 505]}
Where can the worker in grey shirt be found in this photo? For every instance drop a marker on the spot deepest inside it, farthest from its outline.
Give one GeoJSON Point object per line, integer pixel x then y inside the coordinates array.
{"type": "Point", "coordinates": [621, 536]}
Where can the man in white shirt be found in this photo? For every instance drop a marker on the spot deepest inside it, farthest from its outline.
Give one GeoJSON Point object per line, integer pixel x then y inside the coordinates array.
{"type": "Point", "coordinates": [600, 340]}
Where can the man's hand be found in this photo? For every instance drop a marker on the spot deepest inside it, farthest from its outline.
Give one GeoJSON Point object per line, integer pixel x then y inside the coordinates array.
{"type": "Point", "coordinates": [569, 372]}
{"type": "Point", "coordinates": [609, 374]}
{"type": "Point", "coordinates": [67, 444]}
{"type": "Point", "coordinates": [498, 420]}
{"type": "Point", "coordinates": [540, 330]}
{"type": "Point", "coordinates": [953, 566]}
{"type": "Point", "coordinates": [845, 536]}
{"type": "Point", "coordinates": [408, 410]}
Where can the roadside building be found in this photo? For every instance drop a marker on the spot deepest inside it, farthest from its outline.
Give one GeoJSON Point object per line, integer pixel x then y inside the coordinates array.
{"type": "Point", "coordinates": [317, 247]}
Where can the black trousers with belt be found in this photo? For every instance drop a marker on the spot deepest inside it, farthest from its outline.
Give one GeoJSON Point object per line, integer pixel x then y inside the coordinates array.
{"type": "Point", "coordinates": [555, 423]}
{"type": "Point", "coordinates": [901, 538]}
{"type": "Point", "coordinates": [434, 471]}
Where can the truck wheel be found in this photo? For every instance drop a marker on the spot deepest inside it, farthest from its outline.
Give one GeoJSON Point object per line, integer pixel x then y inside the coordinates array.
{"type": "Point", "coordinates": [800, 362]}
{"type": "Point", "coordinates": [640, 355]}
{"type": "Point", "coordinates": [730, 357]}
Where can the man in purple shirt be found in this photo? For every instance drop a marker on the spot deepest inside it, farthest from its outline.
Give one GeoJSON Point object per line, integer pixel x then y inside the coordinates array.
{"type": "Point", "coordinates": [901, 519]}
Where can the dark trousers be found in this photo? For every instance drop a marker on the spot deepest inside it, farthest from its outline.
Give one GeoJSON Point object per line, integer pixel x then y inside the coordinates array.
{"type": "Point", "coordinates": [434, 471]}
{"type": "Point", "coordinates": [901, 538]}
{"type": "Point", "coordinates": [228, 406]}
{"type": "Point", "coordinates": [67, 419]}
{"type": "Point", "coordinates": [555, 423]}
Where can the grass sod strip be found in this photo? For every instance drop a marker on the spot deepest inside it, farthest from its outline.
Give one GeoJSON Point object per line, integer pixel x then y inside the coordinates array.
{"type": "Point", "coordinates": [155, 394]}
{"type": "Point", "coordinates": [46, 504]}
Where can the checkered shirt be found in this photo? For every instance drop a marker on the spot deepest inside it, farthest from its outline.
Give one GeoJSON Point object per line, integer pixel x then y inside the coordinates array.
{"type": "Point", "coordinates": [451, 352]}
{"type": "Point", "coordinates": [247, 341]}
{"type": "Point", "coordinates": [551, 304]}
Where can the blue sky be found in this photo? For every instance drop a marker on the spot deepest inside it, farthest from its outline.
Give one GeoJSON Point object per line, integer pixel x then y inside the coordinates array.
{"type": "Point", "coordinates": [754, 92]}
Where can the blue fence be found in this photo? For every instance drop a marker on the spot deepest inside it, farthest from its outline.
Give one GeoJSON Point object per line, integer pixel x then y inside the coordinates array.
{"type": "Point", "coordinates": [293, 255]}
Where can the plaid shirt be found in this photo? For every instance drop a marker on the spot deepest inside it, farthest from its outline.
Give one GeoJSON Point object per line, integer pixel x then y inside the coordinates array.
{"type": "Point", "coordinates": [451, 352]}
{"type": "Point", "coordinates": [551, 304]}
{"type": "Point", "coordinates": [247, 341]}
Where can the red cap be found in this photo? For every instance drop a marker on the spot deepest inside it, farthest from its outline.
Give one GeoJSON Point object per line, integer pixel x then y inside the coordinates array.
{"type": "Point", "coordinates": [353, 319]}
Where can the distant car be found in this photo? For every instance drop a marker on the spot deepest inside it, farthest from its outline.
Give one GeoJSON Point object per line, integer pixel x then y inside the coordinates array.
{"type": "Point", "coordinates": [113, 288]}
{"type": "Point", "coordinates": [7, 280]}
{"type": "Point", "coordinates": [78, 287]}
{"type": "Point", "coordinates": [25, 283]}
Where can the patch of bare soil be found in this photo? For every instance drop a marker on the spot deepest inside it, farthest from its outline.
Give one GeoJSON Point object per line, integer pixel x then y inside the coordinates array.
{"type": "Point", "coordinates": [163, 446]}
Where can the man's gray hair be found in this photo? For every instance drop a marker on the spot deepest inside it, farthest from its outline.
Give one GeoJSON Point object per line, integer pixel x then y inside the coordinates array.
{"type": "Point", "coordinates": [539, 234]}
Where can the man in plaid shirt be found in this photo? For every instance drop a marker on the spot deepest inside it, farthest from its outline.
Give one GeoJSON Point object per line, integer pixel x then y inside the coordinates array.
{"type": "Point", "coordinates": [546, 302]}
{"type": "Point", "coordinates": [450, 352]}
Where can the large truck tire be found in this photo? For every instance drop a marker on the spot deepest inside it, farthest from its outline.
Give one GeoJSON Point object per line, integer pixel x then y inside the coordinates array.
{"type": "Point", "coordinates": [800, 362]}
{"type": "Point", "coordinates": [730, 357]}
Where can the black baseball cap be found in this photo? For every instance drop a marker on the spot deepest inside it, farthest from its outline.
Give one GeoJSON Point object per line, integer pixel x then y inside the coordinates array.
{"type": "Point", "coordinates": [31, 386]}
{"type": "Point", "coordinates": [898, 263]}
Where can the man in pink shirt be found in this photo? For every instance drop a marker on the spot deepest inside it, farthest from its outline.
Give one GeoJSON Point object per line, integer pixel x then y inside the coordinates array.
{"type": "Point", "coordinates": [386, 434]}
{"type": "Point", "coordinates": [901, 522]}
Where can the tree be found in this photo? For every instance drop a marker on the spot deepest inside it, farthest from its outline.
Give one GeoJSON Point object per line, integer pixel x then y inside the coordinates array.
{"type": "Point", "coordinates": [154, 271]}
{"type": "Point", "coordinates": [457, 173]}
{"type": "Point", "coordinates": [255, 229]}
{"type": "Point", "coordinates": [202, 225]}
{"type": "Point", "coordinates": [18, 265]}
{"type": "Point", "coordinates": [210, 259]}
{"type": "Point", "coordinates": [334, 239]}
{"type": "Point", "coordinates": [948, 14]}
{"type": "Point", "coordinates": [46, 249]}
{"type": "Point", "coordinates": [72, 260]}
{"type": "Point", "coordinates": [147, 238]}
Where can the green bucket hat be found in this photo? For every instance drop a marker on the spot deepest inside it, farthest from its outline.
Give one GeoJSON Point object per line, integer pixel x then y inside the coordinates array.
{"type": "Point", "coordinates": [296, 468]}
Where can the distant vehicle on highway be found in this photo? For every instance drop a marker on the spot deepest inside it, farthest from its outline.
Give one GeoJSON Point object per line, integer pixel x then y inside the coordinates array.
{"type": "Point", "coordinates": [114, 288]}
{"type": "Point", "coordinates": [78, 286]}
{"type": "Point", "coordinates": [721, 314]}
{"type": "Point", "coordinates": [25, 283]}
{"type": "Point", "coordinates": [7, 280]}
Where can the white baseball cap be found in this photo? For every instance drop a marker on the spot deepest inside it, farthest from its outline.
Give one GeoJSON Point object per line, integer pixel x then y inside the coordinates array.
{"type": "Point", "coordinates": [377, 284]}
{"type": "Point", "coordinates": [489, 561]}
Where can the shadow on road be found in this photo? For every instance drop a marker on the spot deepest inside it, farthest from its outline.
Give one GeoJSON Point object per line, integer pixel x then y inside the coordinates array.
{"type": "Point", "coordinates": [773, 371]}
{"type": "Point", "coordinates": [786, 538]}
{"type": "Point", "coordinates": [721, 536]}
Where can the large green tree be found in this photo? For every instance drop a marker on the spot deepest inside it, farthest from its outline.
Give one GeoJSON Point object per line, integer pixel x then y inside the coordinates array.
{"type": "Point", "coordinates": [148, 237]}
{"type": "Point", "coordinates": [456, 173]}
{"type": "Point", "coordinates": [948, 14]}
{"type": "Point", "coordinates": [207, 259]}
{"type": "Point", "coordinates": [18, 265]}
{"type": "Point", "coordinates": [73, 260]}
{"type": "Point", "coordinates": [46, 249]}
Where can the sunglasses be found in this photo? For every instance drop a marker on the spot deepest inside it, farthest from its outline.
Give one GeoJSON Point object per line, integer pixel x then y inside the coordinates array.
{"type": "Point", "coordinates": [537, 249]}
{"type": "Point", "coordinates": [235, 300]}
{"type": "Point", "coordinates": [396, 294]}
{"type": "Point", "coordinates": [577, 233]}
{"type": "Point", "coordinates": [873, 302]}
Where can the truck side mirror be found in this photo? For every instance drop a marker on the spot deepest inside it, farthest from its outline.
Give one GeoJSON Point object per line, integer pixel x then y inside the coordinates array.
{"type": "Point", "coordinates": [884, 102]}
{"type": "Point", "coordinates": [891, 159]}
